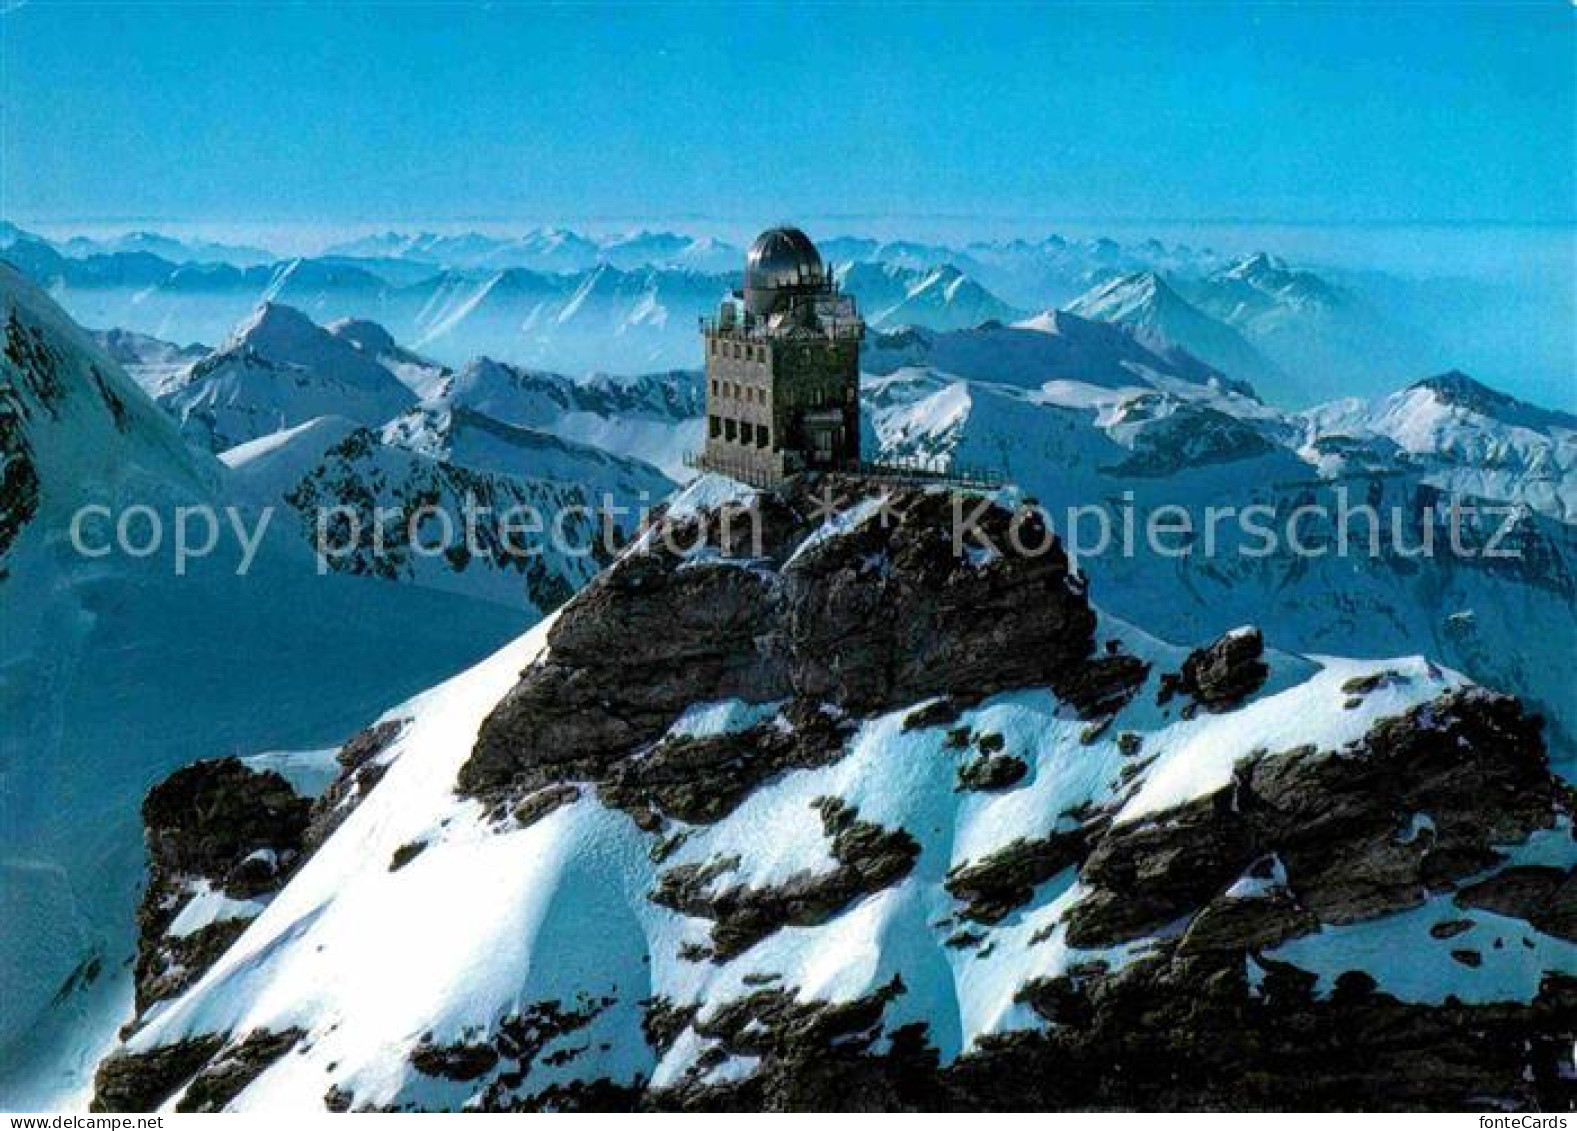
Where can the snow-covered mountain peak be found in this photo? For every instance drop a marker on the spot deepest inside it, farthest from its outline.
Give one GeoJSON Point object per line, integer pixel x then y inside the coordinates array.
{"type": "Point", "coordinates": [1267, 273]}
{"type": "Point", "coordinates": [1124, 295]}
{"type": "Point", "coordinates": [278, 369]}
{"type": "Point", "coordinates": [1259, 266]}
{"type": "Point", "coordinates": [877, 845]}
{"type": "Point", "coordinates": [1163, 319]}
{"type": "Point", "coordinates": [1052, 346]}
{"type": "Point", "coordinates": [1458, 391]}
{"type": "Point", "coordinates": [284, 335]}
{"type": "Point", "coordinates": [365, 334]}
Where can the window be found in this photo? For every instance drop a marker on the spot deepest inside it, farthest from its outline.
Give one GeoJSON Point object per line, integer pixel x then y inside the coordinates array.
{"type": "Point", "coordinates": [714, 426]}
{"type": "Point", "coordinates": [714, 386]}
{"type": "Point", "coordinates": [763, 436]}
{"type": "Point", "coordinates": [730, 431]}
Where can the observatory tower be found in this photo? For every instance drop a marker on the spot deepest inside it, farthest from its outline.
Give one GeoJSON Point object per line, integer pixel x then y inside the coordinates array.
{"type": "Point", "coordinates": [783, 368]}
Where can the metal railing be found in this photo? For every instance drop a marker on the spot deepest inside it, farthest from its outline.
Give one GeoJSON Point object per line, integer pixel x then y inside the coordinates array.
{"type": "Point", "coordinates": [750, 474]}
{"type": "Point", "coordinates": [824, 329]}
{"type": "Point", "coordinates": [923, 470]}
{"type": "Point", "coordinates": [902, 469]}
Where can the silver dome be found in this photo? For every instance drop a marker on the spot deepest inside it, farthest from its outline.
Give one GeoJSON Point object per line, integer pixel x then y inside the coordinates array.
{"type": "Point", "coordinates": [783, 257]}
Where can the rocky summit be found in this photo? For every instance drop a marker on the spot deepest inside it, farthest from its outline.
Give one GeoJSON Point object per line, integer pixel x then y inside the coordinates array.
{"type": "Point", "coordinates": [810, 802]}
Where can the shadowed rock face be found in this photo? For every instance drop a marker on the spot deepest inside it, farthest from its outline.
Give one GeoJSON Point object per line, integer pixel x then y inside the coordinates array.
{"type": "Point", "coordinates": [1188, 998]}
{"type": "Point", "coordinates": [1339, 824]}
{"type": "Point", "coordinates": [1222, 674]}
{"type": "Point", "coordinates": [887, 613]}
{"type": "Point", "coordinates": [217, 826]}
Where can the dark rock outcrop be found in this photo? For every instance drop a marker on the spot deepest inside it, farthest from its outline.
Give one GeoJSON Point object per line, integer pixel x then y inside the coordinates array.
{"type": "Point", "coordinates": [216, 826]}
{"type": "Point", "coordinates": [226, 1076]}
{"type": "Point", "coordinates": [1222, 674]}
{"type": "Point", "coordinates": [701, 780]}
{"type": "Point", "coordinates": [1545, 897]}
{"type": "Point", "coordinates": [458, 1061]}
{"type": "Point", "coordinates": [242, 833]}
{"type": "Point", "coordinates": [360, 770]}
{"type": "Point", "coordinates": [142, 1081]}
{"type": "Point", "coordinates": [1471, 760]}
{"type": "Point", "coordinates": [869, 858]}
{"type": "Point", "coordinates": [988, 772]}
{"type": "Point", "coordinates": [888, 613]}
{"type": "Point", "coordinates": [993, 886]}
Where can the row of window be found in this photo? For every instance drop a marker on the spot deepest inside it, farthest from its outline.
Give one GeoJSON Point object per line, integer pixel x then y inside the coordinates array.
{"type": "Point", "coordinates": [744, 351]}
{"type": "Point", "coordinates": [738, 431]}
{"type": "Point", "coordinates": [736, 390]}
{"type": "Point", "coordinates": [818, 398]}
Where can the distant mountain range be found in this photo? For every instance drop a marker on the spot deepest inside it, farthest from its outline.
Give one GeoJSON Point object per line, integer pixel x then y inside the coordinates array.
{"type": "Point", "coordinates": [298, 410]}
{"type": "Point", "coordinates": [561, 300]}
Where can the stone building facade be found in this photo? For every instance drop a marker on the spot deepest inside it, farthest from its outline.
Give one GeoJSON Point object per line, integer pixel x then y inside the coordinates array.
{"type": "Point", "coordinates": [783, 368]}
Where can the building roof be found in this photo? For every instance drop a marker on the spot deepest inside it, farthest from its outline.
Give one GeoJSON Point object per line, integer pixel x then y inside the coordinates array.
{"type": "Point", "coordinates": [783, 257]}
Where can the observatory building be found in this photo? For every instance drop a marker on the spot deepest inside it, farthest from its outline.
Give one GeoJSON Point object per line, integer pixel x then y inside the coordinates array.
{"type": "Point", "coordinates": [783, 368]}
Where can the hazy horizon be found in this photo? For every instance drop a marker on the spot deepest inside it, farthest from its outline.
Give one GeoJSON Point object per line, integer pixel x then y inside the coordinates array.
{"type": "Point", "coordinates": [316, 113]}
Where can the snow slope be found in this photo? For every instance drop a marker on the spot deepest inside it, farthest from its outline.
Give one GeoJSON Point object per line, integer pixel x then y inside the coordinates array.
{"type": "Point", "coordinates": [1162, 318]}
{"type": "Point", "coordinates": [1051, 346]}
{"type": "Point", "coordinates": [495, 919]}
{"type": "Point", "coordinates": [1462, 436]}
{"type": "Point", "coordinates": [1130, 451]}
{"type": "Point", "coordinates": [656, 418]}
{"type": "Point", "coordinates": [276, 370]}
{"type": "Point", "coordinates": [114, 671]}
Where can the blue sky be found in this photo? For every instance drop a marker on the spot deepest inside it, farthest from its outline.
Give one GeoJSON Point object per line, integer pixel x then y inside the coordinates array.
{"type": "Point", "coordinates": [407, 113]}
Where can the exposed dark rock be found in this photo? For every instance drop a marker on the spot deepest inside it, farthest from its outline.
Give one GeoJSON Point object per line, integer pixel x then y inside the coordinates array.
{"type": "Point", "coordinates": [459, 1061]}
{"type": "Point", "coordinates": [1471, 759]}
{"type": "Point", "coordinates": [1246, 924]}
{"type": "Point", "coordinates": [1363, 684]}
{"type": "Point", "coordinates": [544, 801]}
{"type": "Point", "coordinates": [1173, 1032]}
{"type": "Point", "coordinates": [658, 632]}
{"type": "Point", "coordinates": [521, 1040]}
{"type": "Point", "coordinates": [1147, 874]}
{"type": "Point", "coordinates": [993, 886]}
{"type": "Point", "coordinates": [167, 965]}
{"type": "Point", "coordinates": [404, 854]}
{"type": "Point", "coordinates": [1450, 929]}
{"type": "Point", "coordinates": [992, 771]}
{"type": "Point", "coordinates": [1545, 897]}
{"type": "Point", "coordinates": [938, 712]}
{"type": "Point", "coordinates": [203, 820]}
{"type": "Point", "coordinates": [214, 823]}
{"type": "Point", "coordinates": [663, 1021]}
{"type": "Point", "coordinates": [701, 780]}
{"type": "Point", "coordinates": [227, 1075]}
{"type": "Point", "coordinates": [1103, 686]}
{"type": "Point", "coordinates": [360, 771]}
{"type": "Point", "coordinates": [142, 1081]}
{"type": "Point", "coordinates": [1222, 674]}
{"type": "Point", "coordinates": [812, 1056]}
{"type": "Point", "coordinates": [869, 858]}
